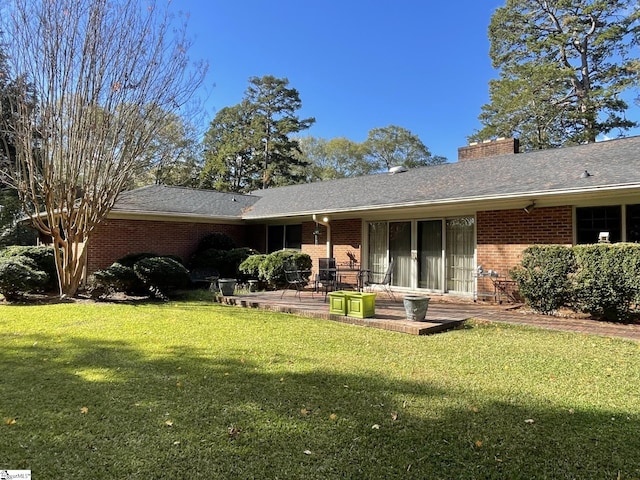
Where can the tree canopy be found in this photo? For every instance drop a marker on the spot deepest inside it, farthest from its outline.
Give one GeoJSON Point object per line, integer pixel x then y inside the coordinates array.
{"type": "Point", "coordinates": [384, 148]}
{"type": "Point", "coordinates": [252, 145]}
{"type": "Point", "coordinates": [105, 75]}
{"type": "Point", "coordinates": [563, 67]}
{"type": "Point", "coordinates": [396, 146]}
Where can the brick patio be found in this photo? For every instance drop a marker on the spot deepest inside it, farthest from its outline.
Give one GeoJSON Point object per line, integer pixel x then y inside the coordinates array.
{"type": "Point", "coordinates": [443, 314]}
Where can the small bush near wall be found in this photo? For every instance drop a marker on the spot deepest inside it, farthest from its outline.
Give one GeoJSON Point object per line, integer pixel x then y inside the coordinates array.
{"type": "Point", "coordinates": [543, 276]}
{"type": "Point", "coordinates": [273, 266]}
{"type": "Point", "coordinates": [607, 283]}
{"type": "Point", "coordinates": [225, 262]}
{"type": "Point", "coordinates": [251, 265]}
{"type": "Point", "coordinates": [159, 276]}
{"type": "Point", "coordinates": [216, 241]}
{"type": "Point", "coordinates": [19, 275]}
{"type": "Point", "coordinates": [42, 257]}
{"type": "Point", "coordinates": [602, 280]}
{"type": "Point", "coordinates": [116, 278]}
{"type": "Point", "coordinates": [162, 275]}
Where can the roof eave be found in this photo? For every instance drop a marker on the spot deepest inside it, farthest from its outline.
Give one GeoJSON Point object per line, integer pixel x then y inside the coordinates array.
{"type": "Point", "coordinates": [172, 216]}
{"type": "Point", "coordinates": [481, 199]}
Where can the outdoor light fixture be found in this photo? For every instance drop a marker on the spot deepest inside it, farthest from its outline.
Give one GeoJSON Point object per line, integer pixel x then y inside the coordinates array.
{"type": "Point", "coordinates": [603, 237]}
{"type": "Point", "coordinates": [529, 208]}
{"type": "Point", "coordinates": [316, 234]}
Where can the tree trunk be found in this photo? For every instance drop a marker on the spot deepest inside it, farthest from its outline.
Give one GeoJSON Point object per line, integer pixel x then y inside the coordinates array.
{"type": "Point", "coordinates": [71, 259]}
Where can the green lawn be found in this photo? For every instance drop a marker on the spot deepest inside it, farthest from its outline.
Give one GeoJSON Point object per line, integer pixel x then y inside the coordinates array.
{"type": "Point", "coordinates": [187, 390]}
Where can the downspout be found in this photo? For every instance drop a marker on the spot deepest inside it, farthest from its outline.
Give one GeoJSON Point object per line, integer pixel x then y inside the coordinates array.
{"type": "Point", "coordinates": [325, 222]}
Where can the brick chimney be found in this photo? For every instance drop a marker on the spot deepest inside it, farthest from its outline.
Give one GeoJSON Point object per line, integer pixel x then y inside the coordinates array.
{"type": "Point", "coordinates": [489, 148]}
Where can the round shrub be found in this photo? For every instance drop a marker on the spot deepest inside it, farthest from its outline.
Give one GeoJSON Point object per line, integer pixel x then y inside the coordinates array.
{"type": "Point", "coordinates": [117, 278]}
{"type": "Point", "coordinates": [273, 267]}
{"type": "Point", "coordinates": [225, 262]}
{"type": "Point", "coordinates": [251, 265]}
{"type": "Point", "coordinates": [543, 276]}
{"type": "Point", "coordinates": [131, 259]}
{"type": "Point", "coordinates": [42, 256]}
{"type": "Point", "coordinates": [216, 241]}
{"type": "Point", "coordinates": [162, 275]}
{"type": "Point", "coordinates": [606, 283]}
{"type": "Point", "coordinates": [19, 275]}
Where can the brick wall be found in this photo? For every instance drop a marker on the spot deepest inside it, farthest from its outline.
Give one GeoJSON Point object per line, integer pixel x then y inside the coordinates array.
{"type": "Point", "coordinates": [346, 237]}
{"type": "Point", "coordinates": [502, 235]}
{"type": "Point", "coordinates": [116, 238]}
{"type": "Point", "coordinates": [502, 146]}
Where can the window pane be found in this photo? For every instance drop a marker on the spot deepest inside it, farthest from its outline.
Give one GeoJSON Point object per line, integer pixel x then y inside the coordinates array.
{"type": "Point", "coordinates": [633, 223]}
{"type": "Point", "coordinates": [460, 254]}
{"type": "Point", "coordinates": [293, 236]}
{"type": "Point", "coordinates": [430, 254]}
{"type": "Point", "coordinates": [275, 238]}
{"type": "Point", "coordinates": [378, 249]}
{"type": "Point", "coordinates": [590, 221]}
{"type": "Point", "coordinates": [400, 251]}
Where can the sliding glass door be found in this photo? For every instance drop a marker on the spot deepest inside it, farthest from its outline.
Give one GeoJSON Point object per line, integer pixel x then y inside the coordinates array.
{"type": "Point", "coordinates": [430, 259]}
{"type": "Point", "coordinates": [434, 255]}
{"type": "Point", "coordinates": [400, 251]}
{"type": "Point", "coordinates": [460, 254]}
{"type": "Point", "coordinates": [378, 250]}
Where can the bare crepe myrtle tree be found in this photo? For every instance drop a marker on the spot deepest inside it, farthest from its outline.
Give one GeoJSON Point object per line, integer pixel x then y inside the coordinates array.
{"type": "Point", "coordinates": [98, 68]}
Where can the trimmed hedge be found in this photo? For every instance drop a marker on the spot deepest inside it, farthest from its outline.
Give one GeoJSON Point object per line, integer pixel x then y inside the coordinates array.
{"type": "Point", "coordinates": [251, 265]}
{"type": "Point", "coordinates": [117, 278]}
{"type": "Point", "coordinates": [225, 262]}
{"type": "Point", "coordinates": [20, 275]}
{"type": "Point", "coordinates": [43, 258]}
{"type": "Point", "coordinates": [543, 276]}
{"type": "Point", "coordinates": [607, 283]}
{"type": "Point", "coordinates": [158, 275]}
{"type": "Point", "coordinates": [162, 275]}
{"type": "Point", "coordinates": [602, 280]}
{"type": "Point", "coordinates": [273, 266]}
{"type": "Point", "coordinates": [216, 241]}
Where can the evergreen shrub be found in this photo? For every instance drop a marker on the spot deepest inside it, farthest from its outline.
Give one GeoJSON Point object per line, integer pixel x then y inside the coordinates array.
{"type": "Point", "coordinates": [20, 275]}
{"type": "Point", "coordinates": [543, 276]}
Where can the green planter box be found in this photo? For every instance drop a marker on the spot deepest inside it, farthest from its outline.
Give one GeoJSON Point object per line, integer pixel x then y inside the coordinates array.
{"type": "Point", "coordinates": [338, 303]}
{"type": "Point", "coordinates": [361, 305]}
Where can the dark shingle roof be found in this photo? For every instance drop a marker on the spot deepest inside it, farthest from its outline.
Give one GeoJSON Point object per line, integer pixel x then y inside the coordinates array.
{"type": "Point", "coordinates": [161, 199]}
{"type": "Point", "coordinates": [611, 164]}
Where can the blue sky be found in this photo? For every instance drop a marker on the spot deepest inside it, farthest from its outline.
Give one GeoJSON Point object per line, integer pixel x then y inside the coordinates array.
{"type": "Point", "coordinates": [419, 64]}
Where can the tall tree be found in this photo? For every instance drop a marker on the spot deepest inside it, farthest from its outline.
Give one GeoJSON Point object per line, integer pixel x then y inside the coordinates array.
{"type": "Point", "coordinates": [395, 146]}
{"type": "Point", "coordinates": [262, 152]}
{"type": "Point", "coordinates": [231, 161]}
{"type": "Point", "coordinates": [334, 158]}
{"type": "Point", "coordinates": [172, 157]}
{"type": "Point", "coordinates": [98, 67]}
{"type": "Point", "coordinates": [563, 66]}
{"type": "Point", "coordinates": [12, 231]}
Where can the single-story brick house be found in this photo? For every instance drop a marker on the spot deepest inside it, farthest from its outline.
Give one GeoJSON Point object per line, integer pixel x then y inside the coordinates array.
{"type": "Point", "coordinates": [438, 223]}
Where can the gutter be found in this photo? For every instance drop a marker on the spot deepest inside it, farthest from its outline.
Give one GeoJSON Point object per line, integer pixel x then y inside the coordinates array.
{"type": "Point", "coordinates": [325, 222]}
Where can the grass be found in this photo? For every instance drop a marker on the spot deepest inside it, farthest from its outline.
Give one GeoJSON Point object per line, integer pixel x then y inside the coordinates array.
{"type": "Point", "coordinates": [191, 390]}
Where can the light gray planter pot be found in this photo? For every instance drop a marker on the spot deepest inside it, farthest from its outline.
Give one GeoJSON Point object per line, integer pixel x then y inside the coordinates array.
{"type": "Point", "coordinates": [416, 307]}
{"type": "Point", "coordinates": [227, 286]}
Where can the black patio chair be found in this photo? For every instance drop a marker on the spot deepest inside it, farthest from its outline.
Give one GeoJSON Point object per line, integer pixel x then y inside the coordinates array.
{"type": "Point", "coordinates": [370, 280]}
{"type": "Point", "coordinates": [327, 275]}
{"type": "Point", "coordinates": [295, 278]}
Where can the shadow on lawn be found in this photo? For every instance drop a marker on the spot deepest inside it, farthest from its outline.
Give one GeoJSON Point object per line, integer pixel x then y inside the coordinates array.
{"type": "Point", "coordinates": [85, 409]}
